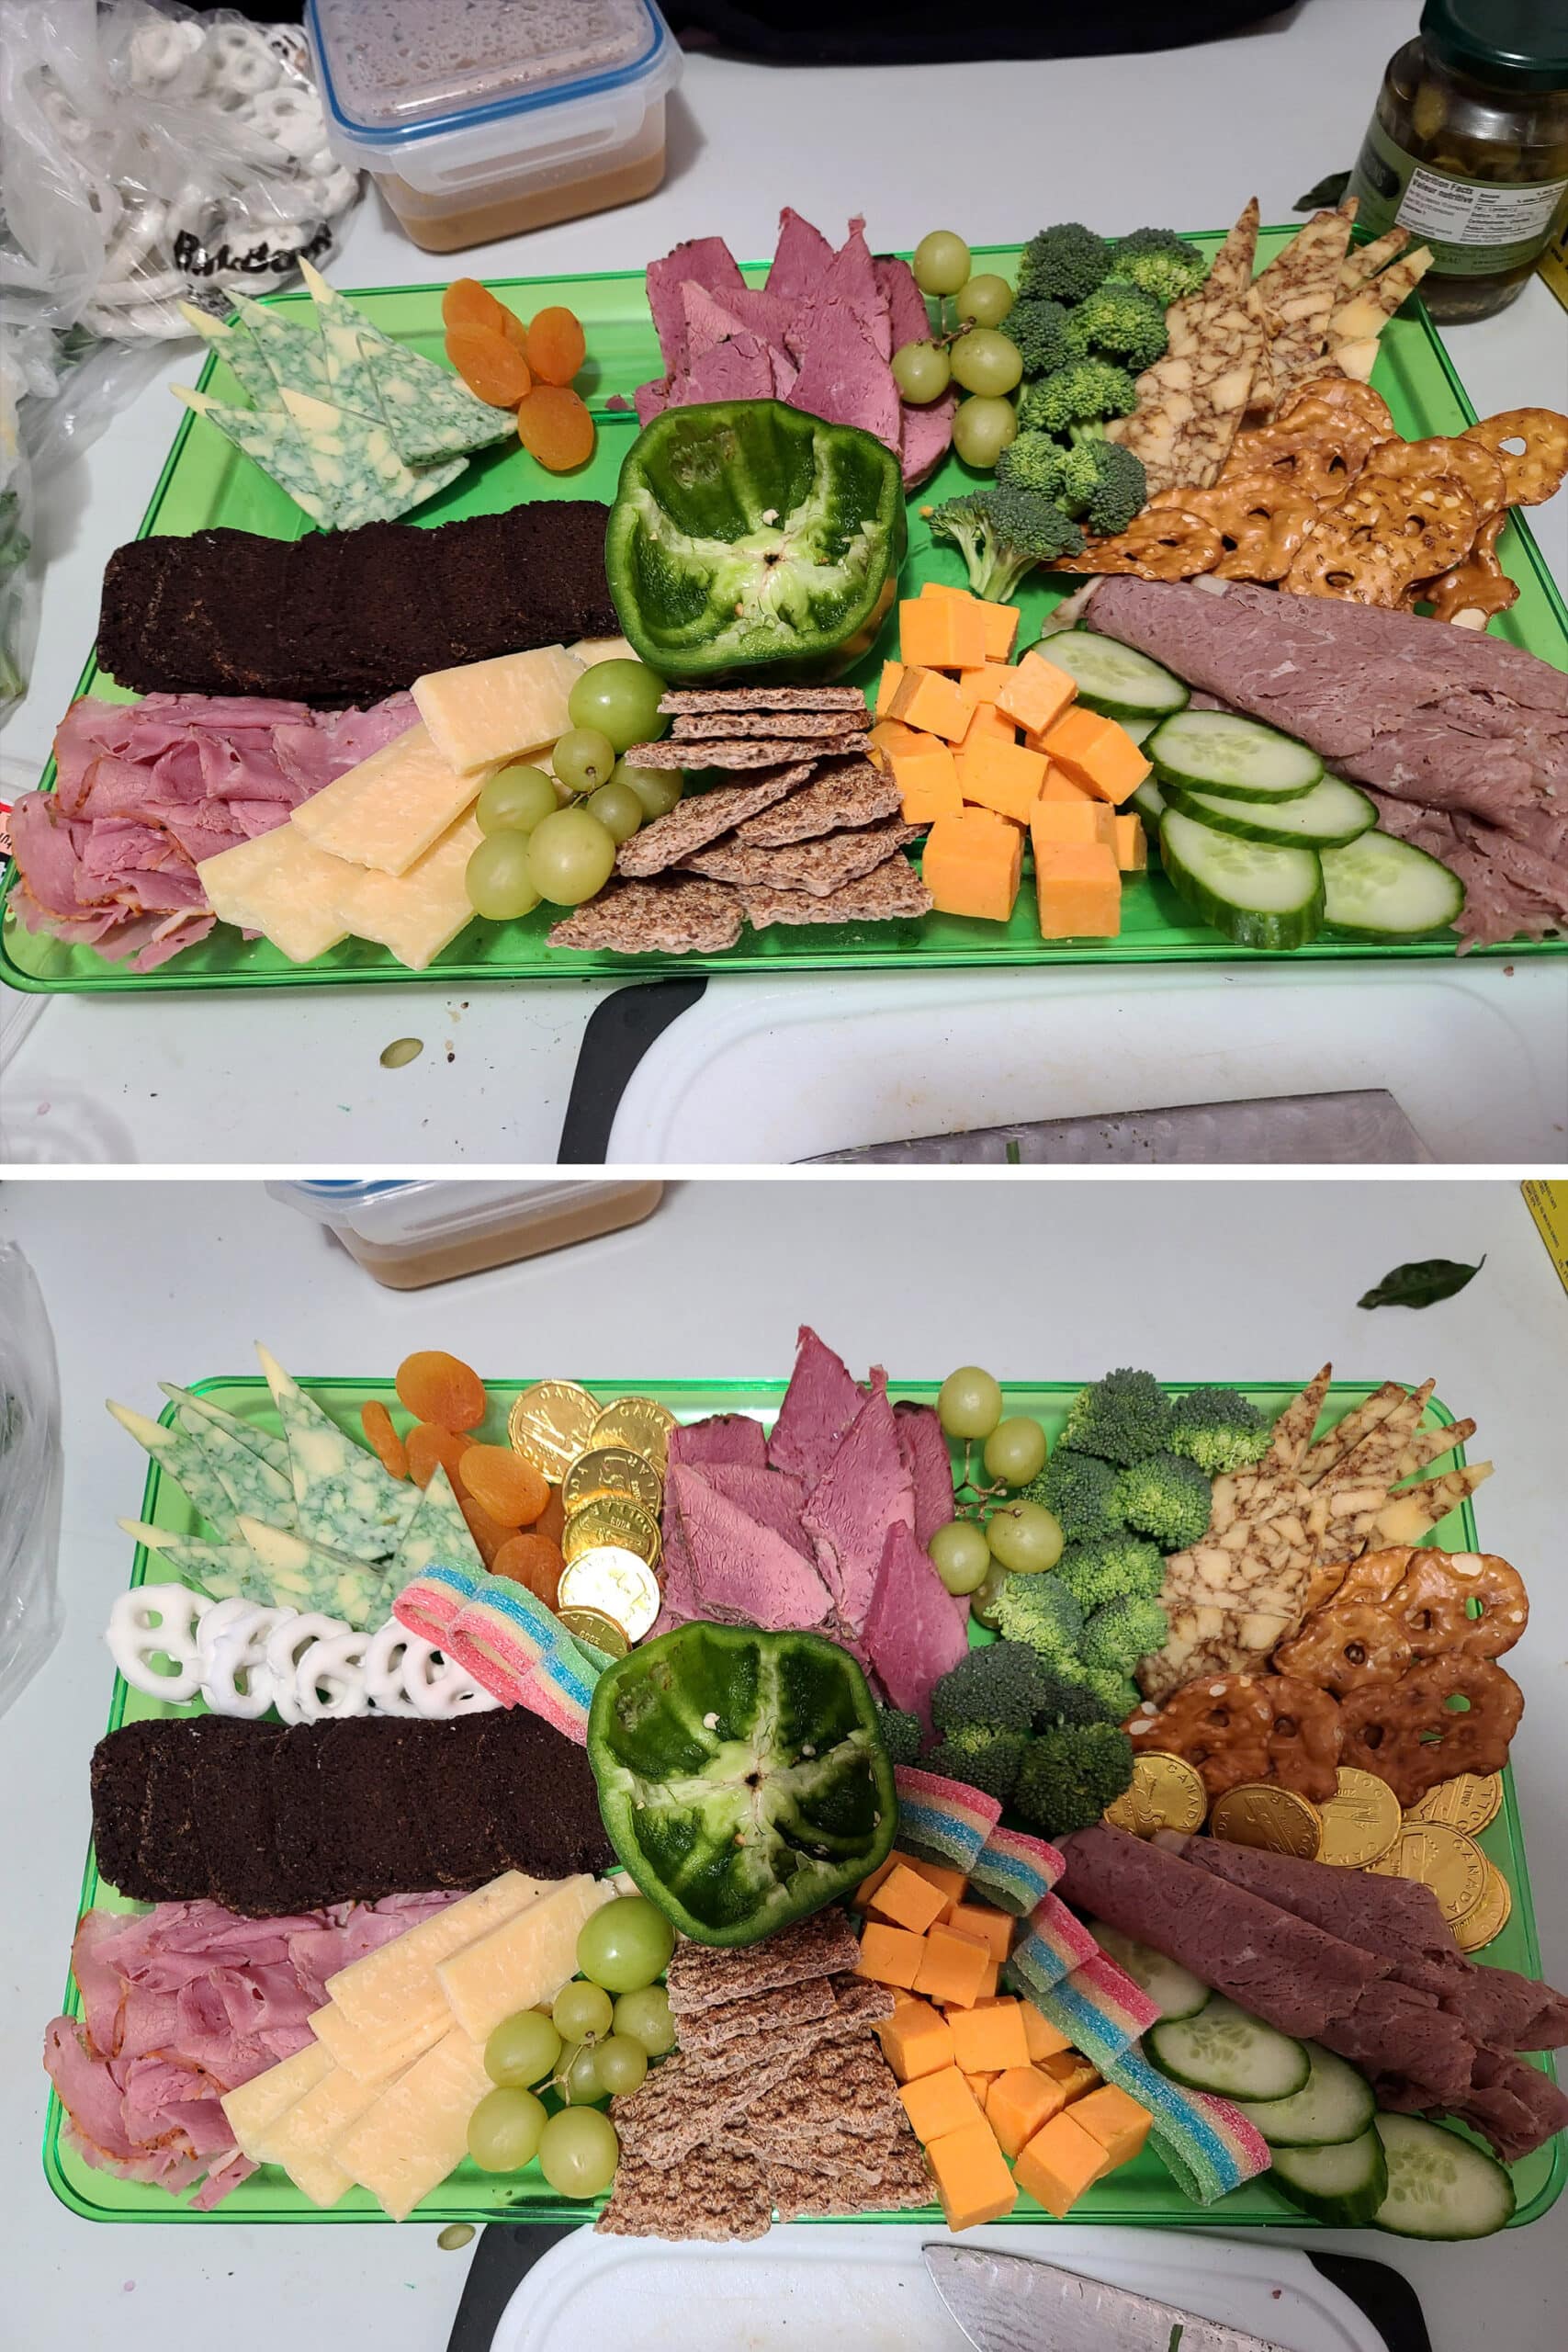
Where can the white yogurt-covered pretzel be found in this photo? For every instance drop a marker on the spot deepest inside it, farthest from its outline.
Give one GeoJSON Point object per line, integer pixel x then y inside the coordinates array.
{"type": "Point", "coordinates": [287, 1645]}
{"type": "Point", "coordinates": [153, 1619]}
{"type": "Point", "coordinates": [387, 1666]}
{"type": "Point", "coordinates": [440, 1689]}
{"type": "Point", "coordinates": [236, 1681]}
{"type": "Point", "coordinates": [329, 1682]}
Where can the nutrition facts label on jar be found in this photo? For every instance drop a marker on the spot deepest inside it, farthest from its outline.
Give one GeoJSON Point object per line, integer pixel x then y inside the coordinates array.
{"type": "Point", "coordinates": [1436, 205]}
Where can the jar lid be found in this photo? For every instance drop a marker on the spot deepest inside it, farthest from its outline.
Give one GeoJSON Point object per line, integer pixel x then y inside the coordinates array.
{"type": "Point", "coordinates": [1524, 42]}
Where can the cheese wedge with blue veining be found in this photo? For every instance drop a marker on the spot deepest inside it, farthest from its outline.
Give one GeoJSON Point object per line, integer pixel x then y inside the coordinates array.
{"type": "Point", "coordinates": [436, 1533]}
{"type": "Point", "coordinates": [430, 412]}
{"type": "Point", "coordinates": [271, 1449]}
{"type": "Point", "coordinates": [305, 1576]}
{"type": "Point", "coordinates": [251, 1484]}
{"type": "Point", "coordinates": [227, 1571]}
{"type": "Point", "coordinates": [344, 1496]}
{"type": "Point", "coordinates": [295, 353]}
{"type": "Point", "coordinates": [356, 462]}
{"type": "Point", "coordinates": [177, 1453]}
{"type": "Point", "coordinates": [240, 353]}
{"type": "Point", "coordinates": [275, 445]}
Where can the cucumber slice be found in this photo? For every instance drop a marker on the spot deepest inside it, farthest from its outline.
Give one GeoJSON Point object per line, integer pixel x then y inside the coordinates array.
{"type": "Point", "coordinates": [1258, 896]}
{"type": "Point", "coordinates": [1149, 802]}
{"type": "Point", "coordinates": [1178, 1991]}
{"type": "Point", "coordinates": [1383, 888]}
{"type": "Point", "coordinates": [1113, 679]}
{"type": "Point", "coordinates": [1327, 816]}
{"type": "Point", "coordinates": [1438, 2185]}
{"type": "Point", "coordinates": [1222, 2049]}
{"type": "Point", "coordinates": [1343, 2186]}
{"type": "Point", "coordinates": [1218, 751]}
{"type": "Point", "coordinates": [1140, 730]}
{"type": "Point", "coordinates": [1337, 2105]}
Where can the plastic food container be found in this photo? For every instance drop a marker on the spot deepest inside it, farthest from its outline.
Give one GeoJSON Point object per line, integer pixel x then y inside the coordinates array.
{"type": "Point", "coordinates": [481, 118]}
{"type": "Point", "coordinates": [409, 1233]}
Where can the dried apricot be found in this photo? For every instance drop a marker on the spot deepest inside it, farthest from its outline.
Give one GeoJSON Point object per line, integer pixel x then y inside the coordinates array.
{"type": "Point", "coordinates": [554, 426]}
{"type": "Point", "coordinates": [534, 1561]}
{"type": "Point", "coordinates": [514, 329]}
{"type": "Point", "coordinates": [556, 345]}
{"type": "Point", "coordinates": [501, 1482]}
{"type": "Point", "coordinates": [493, 369]}
{"type": "Point", "coordinates": [441, 1388]}
{"type": "Point", "coordinates": [383, 1439]}
{"type": "Point", "coordinates": [467, 303]}
{"type": "Point", "coordinates": [551, 1520]}
{"type": "Point", "coordinates": [487, 1533]}
{"type": "Point", "coordinates": [426, 1446]}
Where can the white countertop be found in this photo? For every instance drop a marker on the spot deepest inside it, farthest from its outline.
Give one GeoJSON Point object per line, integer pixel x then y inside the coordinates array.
{"type": "Point", "coordinates": [145, 1282]}
{"type": "Point", "coordinates": [993, 150]}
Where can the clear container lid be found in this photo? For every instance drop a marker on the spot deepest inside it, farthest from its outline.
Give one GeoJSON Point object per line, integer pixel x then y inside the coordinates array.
{"type": "Point", "coordinates": [398, 1213]}
{"type": "Point", "coordinates": [398, 70]}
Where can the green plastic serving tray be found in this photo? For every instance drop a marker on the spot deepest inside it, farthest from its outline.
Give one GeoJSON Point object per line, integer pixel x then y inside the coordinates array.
{"type": "Point", "coordinates": [1141, 2193]}
{"type": "Point", "coordinates": [207, 482]}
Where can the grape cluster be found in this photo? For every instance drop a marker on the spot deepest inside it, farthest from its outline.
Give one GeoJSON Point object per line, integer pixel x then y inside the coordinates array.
{"type": "Point", "coordinates": [1017, 1537]}
{"type": "Point", "coordinates": [976, 356]}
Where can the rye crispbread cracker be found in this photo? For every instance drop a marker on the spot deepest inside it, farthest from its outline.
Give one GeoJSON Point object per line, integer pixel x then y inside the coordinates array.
{"type": "Point", "coordinates": [892, 892]}
{"type": "Point", "coordinates": [857, 793]}
{"type": "Point", "coordinates": [719, 2192]}
{"type": "Point", "coordinates": [738, 752]}
{"type": "Point", "coordinates": [681, 701]}
{"type": "Point", "coordinates": [755, 2013]}
{"type": "Point", "coordinates": [699, 1975]}
{"type": "Point", "coordinates": [677, 2107]}
{"type": "Point", "coordinates": [675, 915]}
{"type": "Point", "coordinates": [699, 727]}
{"type": "Point", "coordinates": [902, 2181]}
{"type": "Point", "coordinates": [701, 817]}
{"type": "Point", "coordinates": [817, 868]}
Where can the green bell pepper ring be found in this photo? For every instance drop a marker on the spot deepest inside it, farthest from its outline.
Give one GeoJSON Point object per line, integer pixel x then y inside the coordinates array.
{"type": "Point", "coordinates": [747, 538]}
{"type": "Point", "coordinates": [741, 1777]}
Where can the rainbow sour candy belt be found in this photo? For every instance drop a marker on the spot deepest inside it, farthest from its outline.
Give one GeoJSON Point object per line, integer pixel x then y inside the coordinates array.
{"type": "Point", "coordinates": [943, 1820]}
{"type": "Point", "coordinates": [429, 1605]}
{"type": "Point", "coordinates": [1015, 1871]}
{"type": "Point", "coordinates": [521, 1653]}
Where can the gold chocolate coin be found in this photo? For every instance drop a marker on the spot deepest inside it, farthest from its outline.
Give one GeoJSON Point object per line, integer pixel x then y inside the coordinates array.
{"type": "Point", "coordinates": [600, 1633]}
{"type": "Point", "coordinates": [550, 1425]}
{"type": "Point", "coordinates": [612, 1470]}
{"type": "Point", "coordinates": [1165, 1793]}
{"type": "Point", "coordinates": [1260, 1813]}
{"type": "Point", "coordinates": [1467, 1803]}
{"type": "Point", "coordinates": [640, 1423]}
{"type": "Point", "coordinates": [1360, 1822]}
{"type": "Point", "coordinates": [614, 1583]}
{"type": "Point", "coordinates": [1453, 1865]}
{"type": "Point", "coordinates": [612, 1520]}
{"type": "Point", "coordinates": [1491, 1914]}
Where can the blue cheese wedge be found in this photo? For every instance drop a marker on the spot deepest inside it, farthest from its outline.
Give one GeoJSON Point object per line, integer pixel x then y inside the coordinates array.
{"type": "Point", "coordinates": [275, 444]}
{"type": "Point", "coordinates": [251, 1484]}
{"type": "Point", "coordinates": [345, 1498]}
{"type": "Point", "coordinates": [356, 462]}
{"type": "Point", "coordinates": [239, 351]}
{"type": "Point", "coordinates": [271, 1449]}
{"type": "Point", "coordinates": [431, 413]}
{"type": "Point", "coordinates": [294, 353]}
{"type": "Point", "coordinates": [437, 1531]}
{"type": "Point", "coordinates": [179, 1456]}
{"type": "Point", "coordinates": [227, 1571]}
{"type": "Point", "coordinates": [305, 1576]}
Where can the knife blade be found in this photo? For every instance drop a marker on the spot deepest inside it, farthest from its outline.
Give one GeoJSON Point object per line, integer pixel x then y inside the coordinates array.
{"type": "Point", "coordinates": [1010, 2302]}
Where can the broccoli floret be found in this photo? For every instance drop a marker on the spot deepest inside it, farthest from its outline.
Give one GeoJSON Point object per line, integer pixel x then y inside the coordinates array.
{"type": "Point", "coordinates": [1068, 1777]}
{"type": "Point", "coordinates": [1159, 261]}
{"type": "Point", "coordinates": [1095, 481]}
{"type": "Point", "coordinates": [1218, 1429]}
{"type": "Point", "coordinates": [1003, 533]}
{"type": "Point", "coordinates": [1076, 1487]}
{"type": "Point", "coordinates": [1040, 1610]}
{"type": "Point", "coordinates": [1115, 1694]}
{"type": "Point", "coordinates": [1119, 321]}
{"type": "Point", "coordinates": [1067, 262]}
{"type": "Point", "coordinates": [901, 1734]}
{"type": "Point", "coordinates": [1166, 1497]}
{"type": "Point", "coordinates": [1077, 397]}
{"type": "Point", "coordinates": [1039, 328]}
{"type": "Point", "coordinates": [984, 1759]}
{"type": "Point", "coordinates": [1111, 1567]}
{"type": "Point", "coordinates": [1072, 1702]}
{"type": "Point", "coordinates": [1122, 1418]}
{"type": "Point", "coordinates": [1123, 1632]}
{"type": "Point", "coordinates": [1033, 463]}
{"type": "Point", "coordinates": [1000, 1687]}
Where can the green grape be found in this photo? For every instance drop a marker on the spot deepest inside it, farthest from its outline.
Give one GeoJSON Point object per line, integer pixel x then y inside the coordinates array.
{"type": "Point", "coordinates": [522, 2050]}
{"type": "Point", "coordinates": [983, 1600]}
{"type": "Point", "coordinates": [626, 1944]}
{"type": "Point", "coordinates": [921, 371]}
{"type": "Point", "coordinates": [985, 300]}
{"type": "Point", "coordinates": [960, 1554]}
{"type": "Point", "coordinates": [515, 799]}
{"type": "Point", "coordinates": [970, 1404]}
{"type": "Point", "coordinates": [620, 699]}
{"type": "Point", "coordinates": [579, 2075]}
{"type": "Point", "coordinates": [645, 2017]}
{"type": "Point", "coordinates": [565, 796]}
{"type": "Point", "coordinates": [617, 808]}
{"type": "Point", "coordinates": [941, 263]}
{"type": "Point", "coordinates": [982, 429]}
{"type": "Point", "coordinates": [580, 2010]}
{"type": "Point", "coordinates": [1025, 1537]}
{"type": "Point", "coordinates": [578, 2151]}
{"type": "Point", "coordinates": [584, 758]}
{"type": "Point", "coordinates": [571, 857]}
{"type": "Point", "coordinates": [505, 2129]}
{"type": "Point", "coordinates": [658, 788]}
{"type": "Point", "coordinates": [499, 877]}
{"type": "Point", "coordinates": [620, 2063]}
{"type": "Point", "coordinates": [1015, 1452]}
{"type": "Point", "coordinates": [984, 361]}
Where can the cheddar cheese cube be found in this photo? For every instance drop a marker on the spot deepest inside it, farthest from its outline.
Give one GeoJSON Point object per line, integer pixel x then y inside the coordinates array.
{"type": "Point", "coordinates": [1059, 784]}
{"type": "Point", "coordinates": [927, 780]}
{"type": "Point", "coordinates": [991, 1928]}
{"type": "Point", "coordinates": [1097, 753]}
{"type": "Point", "coordinates": [1132, 845]}
{"type": "Point", "coordinates": [989, 2040]}
{"type": "Point", "coordinates": [972, 2178]}
{"type": "Point", "coordinates": [946, 588]}
{"type": "Point", "coordinates": [1042, 2036]}
{"type": "Point", "coordinates": [904, 1900]}
{"type": "Point", "coordinates": [887, 687]}
{"type": "Point", "coordinates": [1001, 629]}
{"type": "Point", "coordinates": [930, 703]}
{"type": "Point", "coordinates": [860, 1898]}
{"type": "Point", "coordinates": [1004, 777]}
{"type": "Point", "coordinates": [1073, 2071]}
{"type": "Point", "coordinates": [937, 2104]}
{"type": "Point", "coordinates": [1037, 693]}
{"type": "Point", "coordinates": [916, 2041]}
{"type": "Point", "coordinates": [981, 2085]}
{"type": "Point", "coordinates": [984, 685]}
{"type": "Point", "coordinates": [1078, 889]}
{"type": "Point", "coordinates": [1081, 819]}
{"type": "Point", "coordinates": [989, 1981]}
{"type": "Point", "coordinates": [1059, 2164]}
{"type": "Point", "coordinates": [941, 633]}
{"type": "Point", "coordinates": [973, 864]}
{"type": "Point", "coordinates": [951, 1968]}
{"type": "Point", "coordinates": [1116, 2120]}
{"type": "Point", "coordinates": [889, 737]}
{"type": "Point", "coordinates": [987, 725]}
{"type": "Point", "coordinates": [891, 1956]}
{"type": "Point", "coordinates": [950, 1884]}
{"type": "Point", "coordinates": [1019, 2102]}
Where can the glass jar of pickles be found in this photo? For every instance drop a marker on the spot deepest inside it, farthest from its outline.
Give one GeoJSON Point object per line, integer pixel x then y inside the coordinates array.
{"type": "Point", "coordinates": [1468, 147]}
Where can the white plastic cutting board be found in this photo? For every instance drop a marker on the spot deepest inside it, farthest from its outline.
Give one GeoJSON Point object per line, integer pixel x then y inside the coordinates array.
{"type": "Point", "coordinates": [854, 2288]}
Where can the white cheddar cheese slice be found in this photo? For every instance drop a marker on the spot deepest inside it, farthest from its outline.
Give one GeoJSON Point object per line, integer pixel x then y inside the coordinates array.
{"type": "Point", "coordinates": [410, 2139]}
{"type": "Point", "coordinates": [283, 886]}
{"type": "Point", "coordinates": [589, 649]}
{"type": "Point", "coordinates": [257, 2105]}
{"type": "Point", "coordinates": [385, 1992]}
{"type": "Point", "coordinates": [301, 2140]}
{"type": "Point", "coordinates": [373, 2056]}
{"type": "Point", "coordinates": [418, 913]}
{"type": "Point", "coordinates": [526, 1960]}
{"type": "Point", "coordinates": [484, 712]}
{"type": "Point", "coordinates": [387, 812]}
